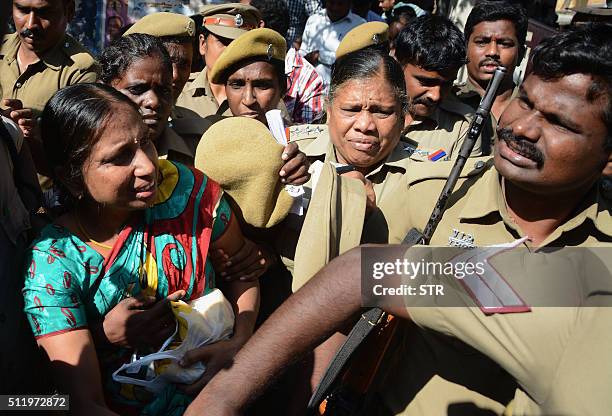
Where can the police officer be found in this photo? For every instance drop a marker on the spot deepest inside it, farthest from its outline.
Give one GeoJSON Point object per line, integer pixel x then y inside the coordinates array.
{"type": "Point", "coordinates": [40, 57]}
{"type": "Point", "coordinates": [495, 33]}
{"type": "Point", "coordinates": [532, 195]}
{"type": "Point", "coordinates": [431, 50]}
{"type": "Point", "coordinates": [221, 24]}
{"type": "Point", "coordinates": [176, 33]}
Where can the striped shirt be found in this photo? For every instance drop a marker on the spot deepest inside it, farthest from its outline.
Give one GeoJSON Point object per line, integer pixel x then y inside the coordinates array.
{"type": "Point", "coordinates": [304, 98]}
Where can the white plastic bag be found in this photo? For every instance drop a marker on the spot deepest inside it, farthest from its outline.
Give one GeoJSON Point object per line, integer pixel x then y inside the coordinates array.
{"type": "Point", "coordinates": [205, 320]}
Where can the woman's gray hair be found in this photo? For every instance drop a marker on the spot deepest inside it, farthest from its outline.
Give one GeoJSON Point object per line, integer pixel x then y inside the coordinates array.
{"type": "Point", "coordinates": [368, 63]}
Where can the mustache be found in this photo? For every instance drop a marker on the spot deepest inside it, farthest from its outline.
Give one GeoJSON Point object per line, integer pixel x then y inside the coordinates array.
{"type": "Point", "coordinates": [27, 33]}
{"type": "Point", "coordinates": [489, 61]}
{"type": "Point", "coordinates": [521, 145]}
{"type": "Point", "coordinates": [425, 101]}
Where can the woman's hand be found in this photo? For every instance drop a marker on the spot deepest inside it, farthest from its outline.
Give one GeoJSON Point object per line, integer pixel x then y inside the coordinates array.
{"type": "Point", "coordinates": [295, 169]}
{"type": "Point", "coordinates": [247, 264]}
{"type": "Point", "coordinates": [215, 357]}
{"type": "Point", "coordinates": [369, 190]}
{"type": "Point", "coordinates": [138, 322]}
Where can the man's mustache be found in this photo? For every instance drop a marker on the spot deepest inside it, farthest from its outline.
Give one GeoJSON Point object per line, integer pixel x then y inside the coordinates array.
{"type": "Point", "coordinates": [26, 33]}
{"type": "Point", "coordinates": [489, 61]}
{"type": "Point", "coordinates": [521, 145]}
{"type": "Point", "coordinates": [425, 101]}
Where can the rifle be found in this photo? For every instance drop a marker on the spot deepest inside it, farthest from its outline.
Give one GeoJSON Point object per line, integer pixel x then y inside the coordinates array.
{"type": "Point", "coordinates": [344, 397]}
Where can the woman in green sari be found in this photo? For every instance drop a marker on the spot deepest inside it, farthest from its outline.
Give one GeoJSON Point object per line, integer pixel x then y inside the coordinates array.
{"type": "Point", "coordinates": [136, 227]}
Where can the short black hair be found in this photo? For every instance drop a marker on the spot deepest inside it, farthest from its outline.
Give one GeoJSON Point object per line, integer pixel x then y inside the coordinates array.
{"type": "Point", "coordinates": [491, 11]}
{"type": "Point", "coordinates": [117, 57]}
{"type": "Point", "coordinates": [431, 42]}
{"type": "Point", "coordinates": [367, 63]}
{"type": "Point", "coordinates": [275, 14]}
{"type": "Point", "coordinates": [71, 123]}
{"type": "Point", "coordinates": [583, 50]}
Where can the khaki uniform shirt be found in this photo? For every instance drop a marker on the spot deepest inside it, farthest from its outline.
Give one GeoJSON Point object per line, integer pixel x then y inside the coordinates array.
{"type": "Point", "coordinates": [198, 97]}
{"type": "Point", "coordinates": [446, 130]}
{"type": "Point", "coordinates": [558, 356]}
{"type": "Point", "coordinates": [66, 64]}
{"type": "Point", "coordinates": [469, 95]}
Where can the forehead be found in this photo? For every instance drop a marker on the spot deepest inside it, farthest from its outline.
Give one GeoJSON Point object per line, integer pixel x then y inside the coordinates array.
{"type": "Point", "coordinates": [254, 70]}
{"type": "Point", "coordinates": [566, 96]}
{"type": "Point", "coordinates": [123, 125]}
{"type": "Point", "coordinates": [147, 67]}
{"type": "Point", "coordinates": [374, 88]}
{"type": "Point", "coordinates": [498, 28]}
{"type": "Point", "coordinates": [418, 72]}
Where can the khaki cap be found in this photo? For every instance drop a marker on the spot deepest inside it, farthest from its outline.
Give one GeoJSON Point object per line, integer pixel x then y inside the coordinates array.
{"type": "Point", "coordinates": [263, 42]}
{"type": "Point", "coordinates": [164, 24]}
{"type": "Point", "coordinates": [242, 156]}
{"type": "Point", "coordinates": [230, 20]}
{"type": "Point", "coordinates": [362, 36]}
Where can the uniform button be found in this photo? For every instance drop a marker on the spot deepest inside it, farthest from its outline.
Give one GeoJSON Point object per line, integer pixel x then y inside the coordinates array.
{"type": "Point", "coordinates": [18, 85]}
{"type": "Point", "coordinates": [479, 165]}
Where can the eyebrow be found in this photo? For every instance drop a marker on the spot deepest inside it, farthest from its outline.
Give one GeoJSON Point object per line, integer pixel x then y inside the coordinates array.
{"type": "Point", "coordinates": [552, 117]}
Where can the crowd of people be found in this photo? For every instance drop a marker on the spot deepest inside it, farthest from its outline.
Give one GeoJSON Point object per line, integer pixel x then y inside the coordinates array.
{"type": "Point", "coordinates": [132, 187]}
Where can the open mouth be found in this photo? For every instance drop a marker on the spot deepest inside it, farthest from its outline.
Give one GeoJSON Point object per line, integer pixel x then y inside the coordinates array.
{"type": "Point", "coordinates": [146, 192]}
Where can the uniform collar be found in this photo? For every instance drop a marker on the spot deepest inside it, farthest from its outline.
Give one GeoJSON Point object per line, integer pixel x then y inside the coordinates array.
{"type": "Point", "coordinates": [54, 59]}
{"type": "Point", "coordinates": [200, 85]}
{"type": "Point", "coordinates": [486, 196]}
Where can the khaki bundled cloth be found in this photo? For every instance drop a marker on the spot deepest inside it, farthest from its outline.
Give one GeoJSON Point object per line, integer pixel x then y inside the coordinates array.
{"type": "Point", "coordinates": [333, 223]}
{"type": "Point", "coordinates": [242, 156]}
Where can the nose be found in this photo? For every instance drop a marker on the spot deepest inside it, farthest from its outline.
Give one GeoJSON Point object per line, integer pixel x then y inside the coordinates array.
{"type": "Point", "coordinates": [364, 122]}
{"type": "Point", "coordinates": [151, 101]}
{"type": "Point", "coordinates": [248, 95]}
{"type": "Point", "coordinates": [32, 20]}
{"type": "Point", "coordinates": [527, 125]}
{"type": "Point", "coordinates": [434, 93]}
{"type": "Point", "coordinates": [492, 49]}
{"type": "Point", "coordinates": [144, 166]}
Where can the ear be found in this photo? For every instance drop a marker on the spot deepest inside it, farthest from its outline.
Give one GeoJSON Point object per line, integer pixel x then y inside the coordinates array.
{"type": "Point", "coordinates": [202, 43]}
{"type": "Point", "coordinates": [62, 175]}
{"type": "Point", "coordinates": [262, 23]}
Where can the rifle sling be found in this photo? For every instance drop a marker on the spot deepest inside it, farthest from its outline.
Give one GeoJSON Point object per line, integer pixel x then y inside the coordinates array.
{"type": "Point", "coordinates": [360, 331]}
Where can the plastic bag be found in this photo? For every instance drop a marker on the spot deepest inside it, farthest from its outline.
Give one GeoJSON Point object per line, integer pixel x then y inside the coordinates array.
{"type": "Point", "coordinates": [205, 320]}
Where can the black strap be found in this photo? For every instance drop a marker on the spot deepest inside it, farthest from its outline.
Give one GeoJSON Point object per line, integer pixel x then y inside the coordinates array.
{"type": "Point", "coordinates": [368, 321]}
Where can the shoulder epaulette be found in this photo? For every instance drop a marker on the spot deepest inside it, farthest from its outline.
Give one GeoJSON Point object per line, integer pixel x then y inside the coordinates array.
{"type": "Point", "coordinates": [81, 57]}
{"type": "Point", "coordinates": [305, 131]}
{"type": "Point", "coordinates": [418, 172]}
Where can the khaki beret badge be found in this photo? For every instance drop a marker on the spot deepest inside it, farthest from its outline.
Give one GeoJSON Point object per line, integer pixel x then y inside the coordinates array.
{"type": "Point", "coordinates": [270, 51]}
{"type": "Point", "coordinates": [375, 38]}
{"type": "Point", "coordinates": [238, 20]}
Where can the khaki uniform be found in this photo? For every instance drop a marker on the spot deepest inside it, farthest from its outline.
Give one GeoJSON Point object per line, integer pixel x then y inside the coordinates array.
{"type": "Point", "coordinates": [327, 232]}
{"type": "Point", "coordinates": [446, 130]}
{"type": "Point", "coordinates": [543, 350]}
{"type": "Point", "coordinates": [190, 127]}
{"type": "Point", "coordinates": [469, 95]}
{"type": "Point", "coordinates": [197, 96]}
{"type": "Point", "coordinates": [66, 64]}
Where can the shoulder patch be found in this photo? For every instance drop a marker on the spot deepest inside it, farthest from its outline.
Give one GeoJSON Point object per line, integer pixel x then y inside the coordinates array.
{"type": "Point", "coordinates": [81, 57]}
{"type": "Point", "coordinates": [418, 172]}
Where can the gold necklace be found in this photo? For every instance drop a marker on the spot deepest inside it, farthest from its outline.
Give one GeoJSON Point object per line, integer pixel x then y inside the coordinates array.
{"type": "Point", "coordinates": [86, 234]}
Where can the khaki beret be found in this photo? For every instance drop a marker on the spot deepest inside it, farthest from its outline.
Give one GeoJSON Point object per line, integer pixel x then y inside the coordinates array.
{"type": "Point", "coordinates": [264, 43]}
{"type": "Point", "coordinates": [242, 156]}
{"type": "Point", "coordinates": [164, 24]}
{"type": "Point", "coordinates": [230, 20]}
{"type": "Point", "coordinates": [362, 36]}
